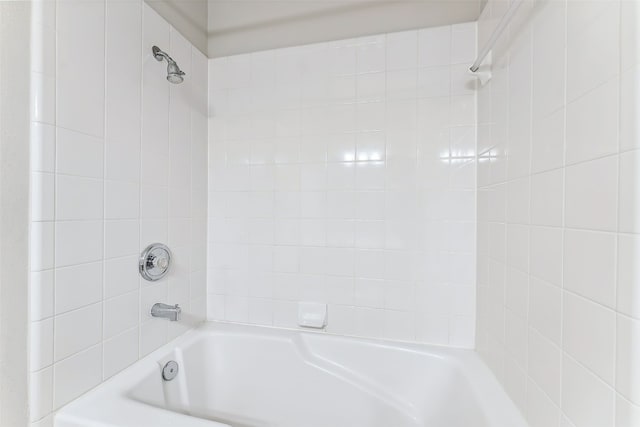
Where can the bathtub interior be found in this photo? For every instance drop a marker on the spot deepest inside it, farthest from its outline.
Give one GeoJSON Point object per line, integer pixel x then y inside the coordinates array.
{"type": "Point", "coordinates": [244, 380]}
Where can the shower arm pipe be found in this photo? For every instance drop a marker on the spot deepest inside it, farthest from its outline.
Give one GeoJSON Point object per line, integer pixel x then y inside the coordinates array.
{"type": "Point", "coordinates": [159, 54]}
{"type": "Point", "coordinates": [497, 32]}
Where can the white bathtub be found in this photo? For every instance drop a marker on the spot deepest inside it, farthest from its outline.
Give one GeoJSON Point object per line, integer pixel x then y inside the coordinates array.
{"type": "Point", "coordinates": [244, 376]}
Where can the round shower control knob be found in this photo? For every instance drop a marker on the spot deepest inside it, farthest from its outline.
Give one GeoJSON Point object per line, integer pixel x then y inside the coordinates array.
{"type": "Point", "coordinates": [162, 263]}
{"type": "Point", "coordinates": [154, 262]}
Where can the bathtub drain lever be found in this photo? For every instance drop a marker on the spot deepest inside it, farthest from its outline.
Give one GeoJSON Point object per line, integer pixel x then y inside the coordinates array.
{"type": "Point", "coordinates": [170, 370]}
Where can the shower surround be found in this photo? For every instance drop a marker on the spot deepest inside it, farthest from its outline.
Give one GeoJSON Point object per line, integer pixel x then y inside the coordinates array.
{"type": "Point", "coordinates": [344, 173]}
{"type": "Point", "coordinates": [118, 162]}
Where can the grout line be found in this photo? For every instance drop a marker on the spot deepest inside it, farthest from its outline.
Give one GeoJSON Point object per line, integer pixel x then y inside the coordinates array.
{"type": "Point", "coordinates": [564, 204]}
{"type": "Point", "coordinates": [589, 371]}
{"type": "Point", "coordinates": [618, 216]}
{"type": "Point", "coordinates": [55, 201]}
{"type": "Point", "coordinates": [104, 191]}
{"type": "Point", "coordinates": [529, 213]}
{"type": "Point", "coordinates": [140, 136]}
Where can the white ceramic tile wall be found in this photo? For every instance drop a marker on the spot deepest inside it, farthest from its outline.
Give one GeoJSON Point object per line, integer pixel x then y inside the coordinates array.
{"type": "Point", "coordinates": [118, 162]}
{"type": "Point", "coordinates": [558, 189]}
{"type": "Point", "coordinates": [344, 173]}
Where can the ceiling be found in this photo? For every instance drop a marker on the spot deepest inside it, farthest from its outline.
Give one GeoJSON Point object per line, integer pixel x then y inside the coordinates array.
{"type": "Point", "coordinates": [228, 27]}
{"type": "Point", "coordinates": [187, 16]}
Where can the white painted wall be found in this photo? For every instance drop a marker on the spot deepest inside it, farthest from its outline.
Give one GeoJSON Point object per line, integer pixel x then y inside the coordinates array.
{"type": "Point", "coordinates": [118, 161]}
{"type": "Point", "coordinates": [14, 217]}
{"type": "Point", "coordinates": [222, 28]}
{"type": "Point", "coordinates": [237, 27]}
{"type": "Point", "coordinates": [558, 212]}
{"type": "Point", "coordinates": [344, 173]}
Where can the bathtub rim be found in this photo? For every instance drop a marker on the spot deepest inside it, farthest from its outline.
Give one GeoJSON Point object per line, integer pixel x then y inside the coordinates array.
{"type": "Point", "coordinates": [114, 393]}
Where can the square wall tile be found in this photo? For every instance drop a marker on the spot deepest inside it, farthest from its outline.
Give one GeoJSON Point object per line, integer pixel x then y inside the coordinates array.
{"type": "Point", "coordinates": [592, 124]}
{"type": "Point", "coordinates": [587, 400]}
{"type": "Point", "coordinates": [77, 242]}
{"type": "Point", "coordinates": [589, 335]}
{"type": "Point", "coordinates": [77, 286]}
{"type": "Point", "coordinates": [627, 348]}
{"type": "Point", "coordinates": [120, 352]}
{"type": "Point", "coordinates": [590, 265]}
{"type": "Point", "coordinates": [76, 375]}
{"type": "Point", "coordinates": [628, 274]}
{"type": "Point", "coordinates": [628, 196]}
{"type": "Point", "coordinates": [591, 194]}
{"type": "Point", "coordinates": [80, 66]}
{"type": "Point", "coordinates": [77, 330]}
{"type": "Point", "coordinates": [79, 154]}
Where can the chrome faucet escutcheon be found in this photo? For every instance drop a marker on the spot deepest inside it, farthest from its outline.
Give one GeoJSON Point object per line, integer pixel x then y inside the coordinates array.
{"type": "Point", "coordinates": [171, 312]}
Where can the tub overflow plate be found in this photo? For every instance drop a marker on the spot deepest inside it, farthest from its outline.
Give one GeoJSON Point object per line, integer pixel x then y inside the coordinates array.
{"type": "Point", "coordinates": [170, 370]}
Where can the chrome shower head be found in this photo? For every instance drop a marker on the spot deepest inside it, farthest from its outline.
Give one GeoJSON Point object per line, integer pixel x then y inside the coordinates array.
{"type": "Point", "coordinates": [174, 73]}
